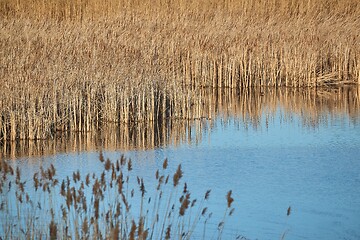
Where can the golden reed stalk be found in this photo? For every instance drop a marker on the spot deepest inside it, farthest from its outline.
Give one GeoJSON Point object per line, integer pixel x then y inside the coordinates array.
{"type": "Point", "coordinates": [73, 65]}
{"type": "Point", "coordinates": [250, 107]}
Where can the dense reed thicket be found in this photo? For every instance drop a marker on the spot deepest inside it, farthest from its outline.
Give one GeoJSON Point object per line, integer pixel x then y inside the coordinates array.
{"type": "Point", "coordinates": [73, 65]}
{"type": "Point", "coordinates": [108, 205]}
{"type": "Point", "coordinates": [251, 107]}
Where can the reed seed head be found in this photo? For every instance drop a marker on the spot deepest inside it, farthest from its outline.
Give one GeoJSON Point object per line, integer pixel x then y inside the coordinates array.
{"type": "Point", "coordinates": [231, 211]}
{"type": "Point", "coordinates": [168, 232]}
{"type": "Point", "coordinates": [132, 231]}
{"type": "Point", "coordinates": [185, 204]}
{"type": "Point", "coordinates": [165, 163]}
{"type": "Point", "coordinates": [203, 212]}
{"type": "Point", "coordinates": [141, 226]}
{"type": "Point", "coordinates": [177, 175]}
{"type": "Point", "coordinates": [107, 164]}
{"type": "Point", "coordinates": [87, 179]}
{"type": "Point", "coordinates": [229, 199]}
{"type": "Point", "coordinates": [122, 160]}
{"type": "Point", "coordinates": [142, 188]}
{"type": "Point", "coordinates": [193, 203]}
{"type": "Point", "coordinates": [185, 188]}
{"type": "Point", "coordinates": [53, 230]}
{"type": "Point", "coordinates": [129, 165]}
{"type": "Point", "coordinates": [207, 194]}
{"type": "Point", "coordinates": [85, 227]}
{"type": "Point", "coordinates": [116, 231]}
{"type": "Point", "coordinates": [96, 208]}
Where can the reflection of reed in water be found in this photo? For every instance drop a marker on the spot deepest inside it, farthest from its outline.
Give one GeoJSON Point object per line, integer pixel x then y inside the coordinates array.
{"type": "Point", "coordinates": [253, 104]}
{"type": "Point", "coordinates": [249, 107]}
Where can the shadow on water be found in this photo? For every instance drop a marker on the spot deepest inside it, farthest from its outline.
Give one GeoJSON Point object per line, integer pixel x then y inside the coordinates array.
{"type": "Point", "coordinates": [249, 106]}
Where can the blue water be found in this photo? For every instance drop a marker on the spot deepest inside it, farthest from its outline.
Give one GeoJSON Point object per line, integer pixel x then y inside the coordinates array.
{"type": "Point", "coordinates": [277, 163]}
{"type": "Point", "coordinates": [316, 171]}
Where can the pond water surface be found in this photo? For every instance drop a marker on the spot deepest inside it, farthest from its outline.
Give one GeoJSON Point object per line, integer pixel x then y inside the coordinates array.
{"type": "Point", "coordinates": [299, 155]}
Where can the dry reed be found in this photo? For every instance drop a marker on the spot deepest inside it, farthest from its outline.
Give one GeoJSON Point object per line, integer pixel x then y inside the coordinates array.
{"type": "Point", "coordinates": [250, 106]}
{"type": "Point", "coordinates": [95, 211]}
{"type": "Point", "coordinates": [74, 65]}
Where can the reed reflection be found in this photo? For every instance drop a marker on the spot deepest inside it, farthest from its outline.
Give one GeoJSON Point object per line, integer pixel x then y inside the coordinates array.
{"type": "Point", "coordinates": [191, 121]}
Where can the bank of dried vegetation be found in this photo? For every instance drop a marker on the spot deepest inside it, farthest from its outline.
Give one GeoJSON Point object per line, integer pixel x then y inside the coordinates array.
{"type": "Point", "coordinates": [74, 65]}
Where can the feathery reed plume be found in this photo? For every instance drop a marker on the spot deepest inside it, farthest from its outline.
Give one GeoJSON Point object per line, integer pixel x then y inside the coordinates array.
{"type": "Point", "coordinates": [115, 231]}
{"type": "Point", "coordinates": [120, 182]}
{"type": "Point", "coordinates": [145, 234]}
{"type": "Point", "coordinates": [52, 170]}
{"type": "Point", "coordinates": [64, 213]}
{"type": "Point", "coordinates": [185, 204]}
{"type": "Point", "coordinates": [122, 160]}
{"type": "Point", "coordinates": [53, 230]}
{"type": "Point", "coordinates": [165, 163]}
{"type": "Point", "coordinates": [132, 231]}
{"type": "Point", "coordinates": [203, 212]}
{"type": "Point", "coordinates": [129, 167]}
{"type": "Point", "coordinates": [87, 179]}
{"type": "Point", "coordinates": [76, 176]}
{"type": "Point", "coordinates": [107, 164]}
{"type": "Point", "coordinates": [62, 189]}
{"type": "Point", "coordinates": [142, 187]}
{"type": "Point", "coordinates": [177, 176]}
{"type": "Point", "coordinates": [231, 211]}
{"type": "Point", "coordinates": [229, 199]}
{"type": "Point", "coordinates": [96, 208]}
{"type": "Point", "coordinates": [85, 228]}
{"type": "Point", "coordinates": [168, 232]}
{"type": "Point", "coordinates": [141, 227]}
{"type": "Point", "coordinates": [288, 211]}
{"type": "Point", "coordinates": [207, 194]}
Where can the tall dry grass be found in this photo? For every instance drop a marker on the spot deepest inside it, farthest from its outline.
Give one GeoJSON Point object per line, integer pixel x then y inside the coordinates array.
{"type": "Point", "coordinates": [73, 65]}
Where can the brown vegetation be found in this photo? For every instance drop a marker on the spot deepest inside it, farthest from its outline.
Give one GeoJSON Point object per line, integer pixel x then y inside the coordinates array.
{"type": "Point", "coordinates": [73, 65]}
{"type": "Point", "coordinates": [250, 107]}
{"type": "Point", "coordinates": [98, 206]}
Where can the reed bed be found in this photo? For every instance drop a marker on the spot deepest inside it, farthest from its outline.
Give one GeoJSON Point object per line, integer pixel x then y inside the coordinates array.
{"type": "Point", "coordinates": [104, 206]}
{"type": "Point", "coordinates": [75, 65]}
{"type": "Point", "coordinates": [250, 107]}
